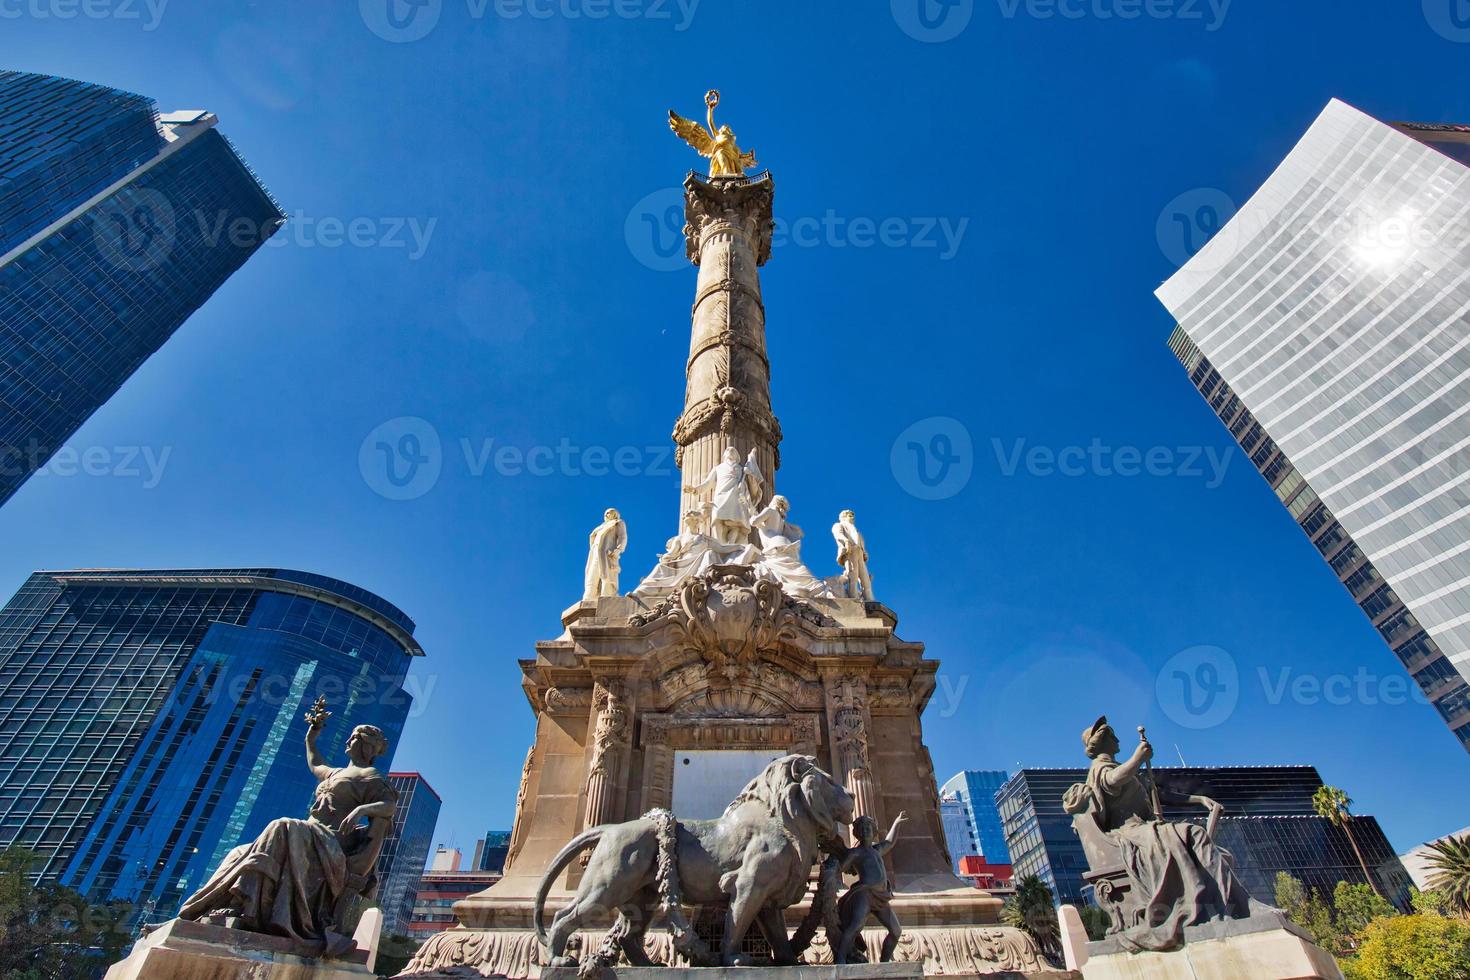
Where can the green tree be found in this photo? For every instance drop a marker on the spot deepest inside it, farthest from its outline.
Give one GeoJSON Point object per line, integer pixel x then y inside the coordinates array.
{"type": "Point", "coordinates": [1095, 921]}
{"type": "Point", "coordinates": [1334, 804]}
{"type": "Point", "coordinates": [1449, 866]}
{"type": "Point", "coordinates": [1412, 947]}
{"type": "Point", "coordinates": [1033, 911]}
{"type": "Point", "coordinates": [1428, 903]}
{"type": "Point", "coordinates": [1307, 909]}
{"type": "Point", "coordinates": [1353, 907]}
{"type": "Point", "coordinates": [49, 932]}
{"type": "Point", "coordinates": [394, 952]}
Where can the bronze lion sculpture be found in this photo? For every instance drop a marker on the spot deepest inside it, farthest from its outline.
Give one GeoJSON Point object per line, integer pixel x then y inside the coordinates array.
{"type": "Point", "coordinates": [758, 855]}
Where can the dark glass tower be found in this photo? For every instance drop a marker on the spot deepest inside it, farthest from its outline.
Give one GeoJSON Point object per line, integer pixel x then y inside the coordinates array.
{"type": "Point", "coordinates": [406, 851]}
{"type": "Point", "coordinates": [152, 720]}
{"type": "Point", "coordinates": [1269, 825]}
{"type": "Point", "coordinates": [116, 224]}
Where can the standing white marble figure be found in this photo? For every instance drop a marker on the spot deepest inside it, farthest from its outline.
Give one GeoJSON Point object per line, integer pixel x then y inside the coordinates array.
{"type": "Point", "coordinates": [737, 487]}
{"type": "Point", "coordinates": [852, 555]}
{"type": "Point", "coordinates": [604, 556]}
{"type": "Point", "coordinates": [780, 548]}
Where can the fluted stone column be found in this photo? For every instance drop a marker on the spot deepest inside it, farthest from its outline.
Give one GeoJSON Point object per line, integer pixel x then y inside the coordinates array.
{"type": "Point", "coordinates": [847, 720]}
{"type": "Point", "coordinates": [727, 395]}
{"type": "Point", "coordinates": [605, 770]}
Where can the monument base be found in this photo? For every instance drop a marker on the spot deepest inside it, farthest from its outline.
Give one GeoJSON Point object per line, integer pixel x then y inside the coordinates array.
{"type": "Point", "coordinates": [852, 971]}
{"type": "Point", "coordinates": [1267, 946]}
{"type": "Point", "coordinates": [183, 950]}
{"type": "Point", "coordinates": [942, 951]}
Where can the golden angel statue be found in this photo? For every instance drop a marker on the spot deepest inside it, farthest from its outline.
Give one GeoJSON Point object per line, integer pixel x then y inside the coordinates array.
{"type": "Point", "coordinates": [726, 159]}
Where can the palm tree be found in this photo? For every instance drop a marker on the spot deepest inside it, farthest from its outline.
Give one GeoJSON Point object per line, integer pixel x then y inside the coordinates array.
{"type": "Point", "coordinates": [1033, 911]}
{"type": "Point", "coordinates": [1333, 803]}
{"type": "Point", "coordinates": [1449, 863]}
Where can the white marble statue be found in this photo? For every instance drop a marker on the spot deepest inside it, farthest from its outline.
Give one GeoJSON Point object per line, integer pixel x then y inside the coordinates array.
{"type": "Point", "coordinates": [692, 553]}
{"type": "Point", "coordinates": [604, 556]}
{"type": "Point", "coordinates": [737, 487]}
{"type": "Point", "coordinates": [684, 555]}
{"type": "Point", "coordinates": [780, 549]}
{"type": "Point", "coordinates": [852, 555]}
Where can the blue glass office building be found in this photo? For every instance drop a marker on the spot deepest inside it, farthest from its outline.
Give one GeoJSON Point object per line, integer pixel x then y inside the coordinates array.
{"type": "Point", "coordinates": [152, 720]}
{"type": "Point", "coordinates": [406, 851]}
{"type": "Point", "coordinates": [116, 224]}
{"type": "Point", "coordinates": [976, 789]}
{"type": "Point", "coordinates": [1269, 825]}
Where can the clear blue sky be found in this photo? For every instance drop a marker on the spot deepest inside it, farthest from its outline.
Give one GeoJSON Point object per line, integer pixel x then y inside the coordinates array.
{"type": "Point", "coordinates": [540, 311]}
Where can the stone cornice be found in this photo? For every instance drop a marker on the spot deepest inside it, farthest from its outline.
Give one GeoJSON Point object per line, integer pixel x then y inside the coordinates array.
{"type": "Point", "coordinates": [746, 204]}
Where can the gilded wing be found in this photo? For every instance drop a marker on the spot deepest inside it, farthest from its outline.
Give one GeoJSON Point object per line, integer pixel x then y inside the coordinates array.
{"type": "Point", "coordinates": [692, 133]}
{"type": "Point", "coordinates": [747, 159]}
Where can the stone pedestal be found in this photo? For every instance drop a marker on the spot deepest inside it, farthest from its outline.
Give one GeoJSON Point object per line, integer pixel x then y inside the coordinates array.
{"type": "Point", "coordinates": [1264, 947]}
{"type": "Point", "coordinates": [996, 953]}
{"type": "Point", "coordinates": [853, 971]}
{"type": "Point", "coordinates": [182, 950]}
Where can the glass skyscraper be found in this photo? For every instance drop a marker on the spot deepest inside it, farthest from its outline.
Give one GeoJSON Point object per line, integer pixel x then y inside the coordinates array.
{"type": "Point", "coordinates": [1269, 825]}
{"type": "Point", "coordinates": [406, 851]}
{"type": "Point", "coordinates": [976, 789]}
{"type": "Point", "coordinates": [1328, 326]}
{"type": "Point", "coordinates": [116, 224]}
{"type": "Point", "coordinates": [152, 720]}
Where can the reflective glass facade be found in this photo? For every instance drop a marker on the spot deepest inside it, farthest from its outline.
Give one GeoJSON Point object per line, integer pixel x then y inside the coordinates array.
{"type": "Point", "coordinates": [1328, 325]}
{"type": "Point", "coordinates": [976, 789]}
{"type": "Point", "coordinates": [61, 142]}
{"type": "Point", "coordinates": [958, 836]}
{"type": "Point", "coordinates": [406, 851]}
{"type": "Point", "coordinates": [1269, 826]}
{"type": "Point", "coordinates": [491, 851]}
{"type": "Point", "coordinates": [84, 306]}
{"type": "Point", "coordinates": [152, 720]}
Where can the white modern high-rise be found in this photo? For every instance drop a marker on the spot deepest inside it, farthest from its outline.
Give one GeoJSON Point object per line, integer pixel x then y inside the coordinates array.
{"type": "Point", "coordinates": [1328, 325]}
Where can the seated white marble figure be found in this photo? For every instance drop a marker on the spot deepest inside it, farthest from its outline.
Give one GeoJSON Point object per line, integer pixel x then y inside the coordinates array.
{"type": "Point", "coordinates": [780, 553]}
{"type": "Point", "coordinates": [685, 554]}
{"type": "Point", "coordinates": [692, 553]}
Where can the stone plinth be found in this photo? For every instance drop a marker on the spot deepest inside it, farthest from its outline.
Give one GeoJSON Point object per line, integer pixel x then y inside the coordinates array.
{"type": "Point", "coordinates": [1267, 946]}
{"type": "Point", "coordinates": [183, 950]}
{"type": "Point", "coordinates": [957, 951]}
{"type": "Point", "coordinates": [852, 971]}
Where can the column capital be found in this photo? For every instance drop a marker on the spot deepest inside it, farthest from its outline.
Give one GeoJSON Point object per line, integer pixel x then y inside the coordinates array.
{"type": "Point", "coordinates": [742, 203]}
